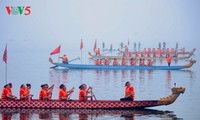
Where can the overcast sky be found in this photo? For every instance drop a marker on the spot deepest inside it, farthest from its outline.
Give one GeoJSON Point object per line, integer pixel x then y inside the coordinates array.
{"type": "Point", "coordinates": [65, 22]}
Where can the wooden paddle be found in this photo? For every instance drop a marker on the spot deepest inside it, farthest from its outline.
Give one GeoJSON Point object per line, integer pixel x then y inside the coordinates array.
{"type": "Point", "coordinates": [93, 95]}
{"type": "Point", "coordinates": [78, 58]}
{"type": "Point", "coordinates": [71, 91]}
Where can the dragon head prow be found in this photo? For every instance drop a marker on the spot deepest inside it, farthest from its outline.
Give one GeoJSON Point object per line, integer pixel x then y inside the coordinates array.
{"type": "Point", "coordinates": [178, 90]}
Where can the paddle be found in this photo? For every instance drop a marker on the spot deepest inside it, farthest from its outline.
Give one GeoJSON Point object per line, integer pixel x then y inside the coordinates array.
{"type": "Point", "coordinates": [78, 58]}
{"type": "Point", "coordinates": [71, 91]}
{"type": "Point", "coordinates": [93, 95]}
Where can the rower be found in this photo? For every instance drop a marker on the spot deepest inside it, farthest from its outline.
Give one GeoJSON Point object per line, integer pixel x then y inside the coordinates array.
{"type": "Point", "coordinates": [6, 94]}
{"type": "Point", "coordinates": [98, 62]}
{"type": "Point", "coordinates": [132, 61]}
{"type": "Point", "coordinates": [63, 93]}
{"type": "Point", "coordinates": [28, 88]}
{"type": "Point", "coordinates": [106, 61]}
{"type": "Point", "coordinates": [141, 62]}
{"type": "Point", "coordinates": [64, 59]}
{"type": "Point", "coordinates": [46, 92]}
{"type": "Point", "coordinates": [149, 62]}
{"type": "Point", "coordinates": [23, 93]}
{"type": "Point", "coordinates": [115, 62]}
{"type": "Point", "coordinates": [123, 62]}
{"type": "Point", "coordinates": [83, 92]}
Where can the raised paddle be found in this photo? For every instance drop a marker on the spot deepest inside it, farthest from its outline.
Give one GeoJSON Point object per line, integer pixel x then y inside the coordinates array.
{"type": "Point", "coordinates": [93, 95]}
{"type": "Point", "coordinates": [78, 58]}
{"type": "Point", "coordinates": [71, 91]}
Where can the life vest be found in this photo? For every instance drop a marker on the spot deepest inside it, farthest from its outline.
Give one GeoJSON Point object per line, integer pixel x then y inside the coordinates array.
{"type": "Point", "coordinates": [123, 62]}
{"type": "Point", "coordinates": [141, 62]}
{"type": "Point", "coordinates": [4, 93]}
{"type": "Point", "coordinates": [10, 91]}
{"type": "Point", "coordinates": [97, 51]}
{"type": "Point", "coordinates": [27, 91]}
{"type": "Point", "coordinates": [129, 90]}
{"type": "Point", "coordinates": [98, 62]}
{"type": "Point", "coordinates": [62, 94]}
{"type": "Point", "coordinates": [64, 58]}
{"type": "Point", "coordinates": [22, 92]}
{"type": "Point", "coordinates": [168, 59]}
{"type": "Point", "coordinates": [43, 94]}
{"type": "Point", "coordinates": [115, 62]}
{"type": "Point", "coordinates": [106, 62]}
{"type": "Point", "coordinates": [149, 63]}
{"type": "Point", "coordinates": [132, 62]}
{"type": "Point", "coordinates": [82, 94]}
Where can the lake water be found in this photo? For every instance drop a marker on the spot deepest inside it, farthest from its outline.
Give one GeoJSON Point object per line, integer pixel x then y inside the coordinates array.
{"type": "Point", "coordinates": [33, 67]}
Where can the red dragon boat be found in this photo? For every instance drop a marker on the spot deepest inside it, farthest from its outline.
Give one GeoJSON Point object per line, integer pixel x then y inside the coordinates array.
{"type": "Point", "coordinates": [91, 104]}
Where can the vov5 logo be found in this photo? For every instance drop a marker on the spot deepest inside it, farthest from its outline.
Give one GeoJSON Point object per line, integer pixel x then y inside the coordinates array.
{"type": "Point", "coordinates": [18, 10]}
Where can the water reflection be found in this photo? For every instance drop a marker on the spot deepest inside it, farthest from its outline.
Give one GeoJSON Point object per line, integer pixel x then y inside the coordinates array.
{"type": "Point", "coordinates": [84, 114]}
{"type": "Point", "coordinates": [63, 75]}
{"type": "Point", "coordinates": [106, 81]}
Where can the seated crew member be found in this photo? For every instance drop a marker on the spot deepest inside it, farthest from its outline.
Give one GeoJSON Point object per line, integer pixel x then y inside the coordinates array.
{"type": "Point", "coordinates": [141, 62]}
{"type": "Point", "coordinates": [46, 92]}
{"type": "Point", "coordinates": [106, 62]}
{"type": "Point", "coordinates": [149, 62]}
{"type": "Point", "coordinates": [132, 61]}
{"type": "Point", "coordinates": [83, 92]}
{"type": "Point", "coordinates": [129, 92]}
{"type": "Point", "coordinates": [115, 62]}
{"type": "Point", "coordinates": [98, 61]}
{"type": "Point", "coordinates": [10, 87]}
{"type": "Point", "coordinates": [123, 62]}
{"type": "Point", "coordinates": [6, 94]}
{"type": "Point", "coordinates": [64, 59]}
{"type": "Point", "coordinates": [63, 93]}
{"type": "Point", "coordinates": [28, 88]}
{"type": "Point", "coordinates": [23, 93]}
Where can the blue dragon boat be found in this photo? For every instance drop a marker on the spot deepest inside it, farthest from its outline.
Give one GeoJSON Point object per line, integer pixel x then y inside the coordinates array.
{"type": "Point", "coordinates": [120, 67]}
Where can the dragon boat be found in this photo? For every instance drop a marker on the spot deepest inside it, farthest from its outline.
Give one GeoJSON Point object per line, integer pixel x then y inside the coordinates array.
{"type": "Point", "coordinates": [120, 67]}
{"type": "Point", "coordinates": [91, 104]}
{"type": "Point", "coordinates": [186, 55]}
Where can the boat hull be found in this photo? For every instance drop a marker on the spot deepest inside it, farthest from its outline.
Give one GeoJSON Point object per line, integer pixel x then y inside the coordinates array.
{"type": "Point", "coordinates": [118, 67]}
{"type": "Point", "coordinates": [75, 104]}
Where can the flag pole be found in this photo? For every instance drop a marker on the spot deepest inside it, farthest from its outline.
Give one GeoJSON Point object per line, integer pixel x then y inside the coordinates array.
{"type": "Point", "coordinates": [6, 74]}
{"type": "Point", "coordinates": [81, 47]}
{"type": "Point", "coordinates": [5, 60]}
{"type": "Point", "coordinates": [81, 56]}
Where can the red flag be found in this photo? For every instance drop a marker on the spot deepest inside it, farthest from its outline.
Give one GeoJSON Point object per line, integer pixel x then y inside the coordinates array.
{"type": "Point", "coordinates": [81, 45]}
{"type": "Point", "coordinates": [5, 55]}
{"type": "Point", "coordinates": [95, 45]}
{"type": "Point", "coordinates": [55, 51]}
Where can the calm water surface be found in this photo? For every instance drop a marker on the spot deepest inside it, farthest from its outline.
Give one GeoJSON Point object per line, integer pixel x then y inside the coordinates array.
{"type": "Point", "coordinates": [107, 84]}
